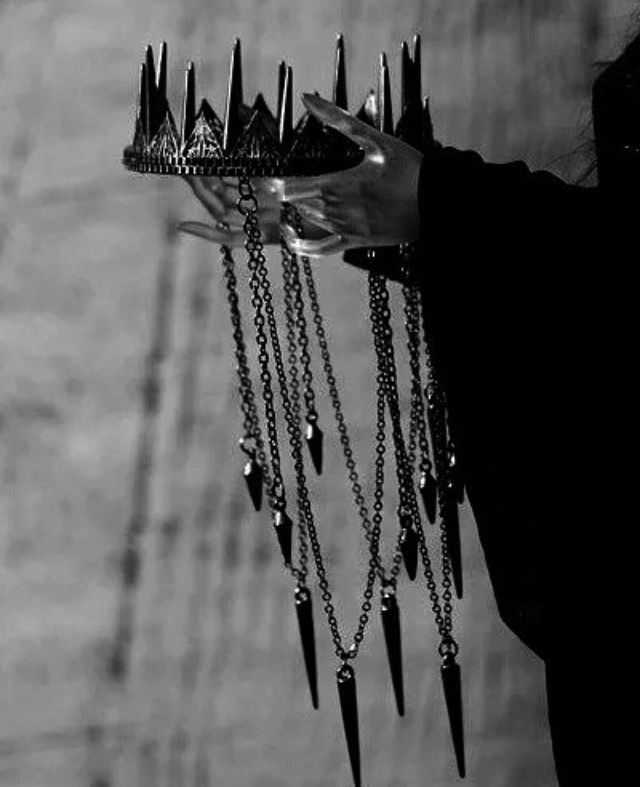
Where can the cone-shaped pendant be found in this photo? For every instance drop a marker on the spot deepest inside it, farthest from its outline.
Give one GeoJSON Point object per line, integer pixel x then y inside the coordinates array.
{"type": "Point", "coordinates": [452, 684]}
{"type": "Point", "coordinates": [451, 520]}
{"type": "Point", "coordinates": [304, 611]}
{"type": "Point", "coordinates": [409, 547]}
{"type": "Point", "coordinates": [429, 494]}
{"type": "Point", "coordinates": [456, 483]}
{"type": "Point", "coordinates": [284, 527]}
{"type": "Point", "coordinates": [314, 437]}
{"type": "Point", "coordinates": [349, 707]}
{"type": "Point", "coordinates": [253, 475]}
{"type": "Point", "coordinates": [391, 627]}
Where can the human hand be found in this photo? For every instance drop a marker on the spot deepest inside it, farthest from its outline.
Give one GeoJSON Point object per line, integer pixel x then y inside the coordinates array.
{"type": "Point", "coordinates": [370, 205]}
{"type": "Point", "coordinates": [219, 197]}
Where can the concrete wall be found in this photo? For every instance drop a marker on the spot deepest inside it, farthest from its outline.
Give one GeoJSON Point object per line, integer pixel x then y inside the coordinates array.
{"type": "Point", "coordinates": [99, 299]}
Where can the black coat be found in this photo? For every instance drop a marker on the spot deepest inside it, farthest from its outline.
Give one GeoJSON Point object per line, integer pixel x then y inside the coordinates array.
{"type": "Point", "coordinates": [528, 298]}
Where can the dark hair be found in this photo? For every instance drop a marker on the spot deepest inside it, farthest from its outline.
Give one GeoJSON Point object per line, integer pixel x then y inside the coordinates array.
{"type": "Point", "coordinates": [610, 72]}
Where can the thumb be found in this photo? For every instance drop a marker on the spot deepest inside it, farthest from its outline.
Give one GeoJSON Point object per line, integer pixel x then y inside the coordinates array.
{"type": "Point", "coordinates": [362, 134]}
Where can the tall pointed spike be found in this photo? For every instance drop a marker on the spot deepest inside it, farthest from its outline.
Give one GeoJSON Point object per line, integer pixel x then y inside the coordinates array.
{"type": "Point", "coordinates": [189, 103]}
{"type": "Point", "coordinates": [304, 611]}
{"type": "Point", "coordinates": [232, 120]}
{"type": "Point", "coordinates": [407, 67]}
{"type": "Point", "coordinates": [285, 115]}
{"type": "Point", "coordinates": [282, 75]}
{"type": "Point", "coordinates": [143, 102]}
{"type": "Point", "coordinates": [340, 76]}
{"type": "Point", "coordinates": [392, 636]}
{"type": "Point", "coordinates": [161, 79]}
{"type": "Point", "coordinates": [150, 63]}
{"type": "Point", "coordinates": [347, 691]}
{"type": "Point", "coordinates": [452, 684]}
{"type": "Point", "coordinates": [385, 110]}
{"type": "Point", "coordinates": [417, 68]}
{"type": "Point", "coordinates": [451, 522]}
{"type": "Point", "coordinates": [153, 115]}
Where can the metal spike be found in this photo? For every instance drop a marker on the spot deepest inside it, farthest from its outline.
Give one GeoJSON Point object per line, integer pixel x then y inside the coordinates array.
{"type": "Point", "coordinates": [407, 68]}
{"type": "Point", "coordinates": [385, 110]}
{"type": "Point", "coordinates": [254, 476]}
{"type": "Point", "coordinates": [428, 137]}
{"type": "Point", "coordinates": [417, 69]}
{"type": "Point", "coordinates": [340, 76]}
{"type": "Point", "coordinates": [304, 611]}
{"type": "Point", "coordinates": [283, 527]}
{"type": "Point", "coordinates": [392, 636]}
{"type": "Point", "coordinates": [232, 119]}
{"type": "Point", "coordinates": [282, 74]}
{"type": "Point", "coordinates": [315, 438]}
{"type": "Point", "coordinates": [143, 103]}
{"type": "Point", "coordinates": [451, 520]}
{"type": "Point", "coordinates": [429, 494]}
{"type": "Point", "coordinates": [452, 684]}
{"type": "Point", "coordinates": [161, 79]}
{"type": "Point", "coordinates": [409, 547]}
{"type": "Point", "coordinates": [150, 92]}
{"type": "Point", "coordinates": [285, 111]}
{"type": "Point", "coordinates": [189, 104]}
{"type": "Point", "coordinates": [347, 691]}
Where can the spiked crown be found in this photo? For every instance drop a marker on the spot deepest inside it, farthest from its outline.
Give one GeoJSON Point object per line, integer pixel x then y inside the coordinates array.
{"type": "Point", "coordinates": [255, 141]}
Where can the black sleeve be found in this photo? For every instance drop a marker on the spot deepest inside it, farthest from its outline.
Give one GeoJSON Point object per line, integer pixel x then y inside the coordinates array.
{"type": "Point", "coordinates": [508, 290]}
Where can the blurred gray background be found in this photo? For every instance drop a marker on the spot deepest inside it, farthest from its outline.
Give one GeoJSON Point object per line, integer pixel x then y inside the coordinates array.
{"type": "Point", "coordinates": [193, 676]}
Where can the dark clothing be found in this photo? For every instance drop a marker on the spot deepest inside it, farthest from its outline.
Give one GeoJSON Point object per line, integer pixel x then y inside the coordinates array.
{"type": "Point", "coordinates": [527, 304]}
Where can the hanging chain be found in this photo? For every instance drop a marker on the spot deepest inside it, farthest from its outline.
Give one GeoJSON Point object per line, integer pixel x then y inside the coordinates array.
{"type": "Point", "coordinates": [251, 421]}
{"type": "Point", "coordinates": [248, 208]}
{"type": "Point", "coordinates": [294, 388]}
{"type": "Point", "coordinates": [371, 527]}
{"type": "Point", "coordinates": [418, 428]}
{"type": "Point", "coordinates": [383, 339]}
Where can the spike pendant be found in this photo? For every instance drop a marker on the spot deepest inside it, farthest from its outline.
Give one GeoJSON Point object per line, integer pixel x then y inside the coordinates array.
{"type": "Point", "coordinates": [347, 693]}
{"type": "Point", "coordinates": [304, 612]}
{"type": "Point", "coordinates": [429, 494]}
{"type": "Point", "coordinates": [314, 437]}
{"type": "Point", "coordinates": [452, 685]}
{"type": "Point", "coordinates": [253, 475]}
{"type": "Point", "coordinates": [284, 528]}
{"type": "Point", "coordinates": [409, 548]}
{"type": "Point", "coordinates": [391, 626]}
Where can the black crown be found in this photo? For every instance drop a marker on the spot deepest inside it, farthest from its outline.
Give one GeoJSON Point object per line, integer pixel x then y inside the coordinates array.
{"type": "Point", "coordinates": [254, 141]}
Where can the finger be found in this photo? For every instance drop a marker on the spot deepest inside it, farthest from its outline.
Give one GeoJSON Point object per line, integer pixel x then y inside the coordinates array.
{"type": "Point", "coordinates": [215, 235]}
{"type": "Point", "coordinates": [316, 216]}
{"type": "Point", "coordinates": [362, 134]}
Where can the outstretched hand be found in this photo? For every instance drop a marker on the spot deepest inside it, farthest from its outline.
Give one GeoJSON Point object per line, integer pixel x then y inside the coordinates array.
{"type": "Point", "coordinates": [372, 204]}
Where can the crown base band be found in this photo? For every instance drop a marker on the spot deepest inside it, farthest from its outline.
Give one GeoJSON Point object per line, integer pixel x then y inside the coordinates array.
{"type": "Point", "coordinates": [232, 167]}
